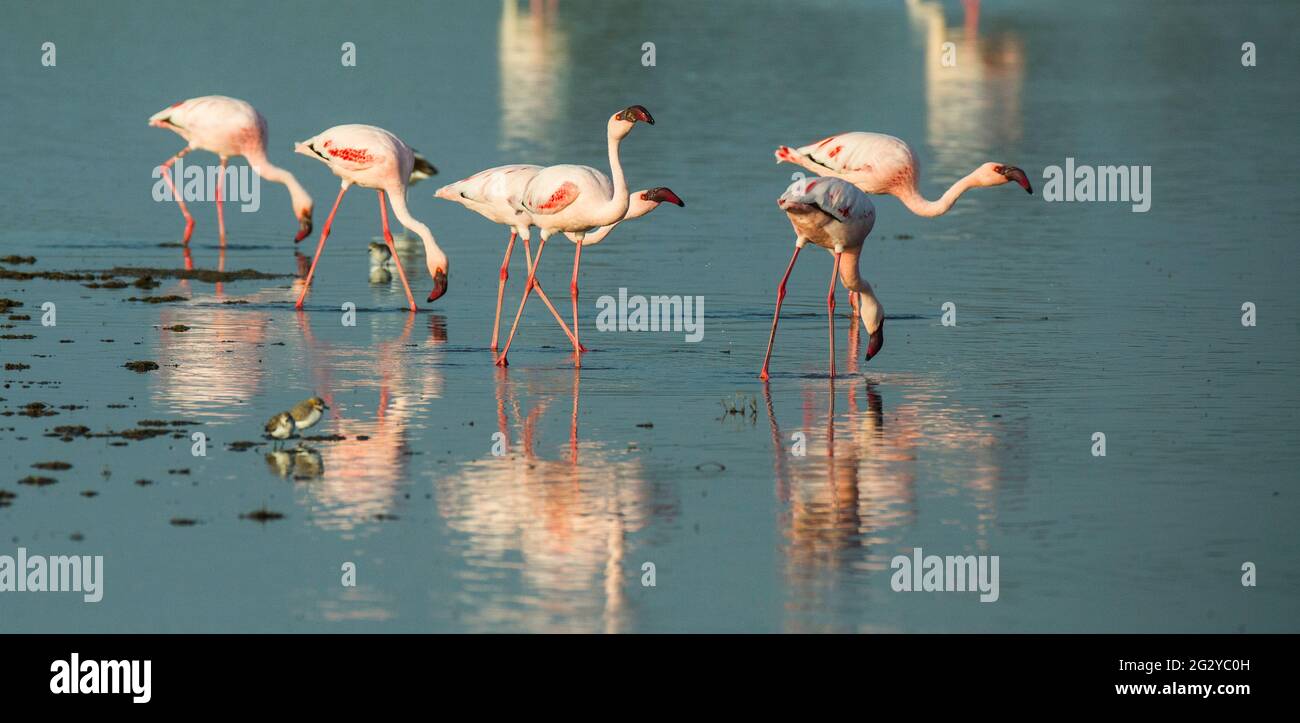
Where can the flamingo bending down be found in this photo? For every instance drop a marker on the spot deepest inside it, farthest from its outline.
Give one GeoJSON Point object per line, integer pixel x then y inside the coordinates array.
{"type": "Point", "coordinates": [881, 164]}
{"type": "Point", "coordinates": [576, 200]}
{"type": "Point", "coordinates": [227, 127]}
{"type": "Point", "coordinates": [374, 158]}
{"type": "Point", "coordinates": [835, 215]}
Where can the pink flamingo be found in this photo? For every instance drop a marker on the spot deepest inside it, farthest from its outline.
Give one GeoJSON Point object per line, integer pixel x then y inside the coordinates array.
{"type": "Point", "coordinates": [835, 215]}
{"type": "Point", "coordinates": [881, 164]}
{"type": "Point", "coordinates": [227, 127]}
{"type": "Point", "coordinates": [576, 200]}
{"type": "Point", "coordinates": [494, 194]}
{"type": "Point", "coordinates": [372, 157]}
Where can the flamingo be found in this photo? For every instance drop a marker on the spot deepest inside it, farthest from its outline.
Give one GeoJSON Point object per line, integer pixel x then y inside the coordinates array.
{"type": "Point", "coordinates": [834, 214]}
{"type": "Point", "coordinates": [576, 200]}
{"type": "Point", "coordinates": [372, 157]}
{"type": "Point", "coordinates": [493, 194]}
{"type": "Point", "coordinates": [881, 164]}
{"type": "Point", "coordinates": [227, 127]}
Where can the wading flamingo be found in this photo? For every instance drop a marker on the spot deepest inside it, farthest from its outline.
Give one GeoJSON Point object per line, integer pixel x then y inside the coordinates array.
{"type": "Point", "coordinates": [227, 127]}
{"type": "Point", "coordinates": [881, 164]}
{"type": "Point", "coordinates": [372, 157]}
{"type": "Point", "coordinates": [494, 194]}
{"type": "Point", "coordinates": [576, 200]}
{"type": "Point", "coordinates": [835, 215]}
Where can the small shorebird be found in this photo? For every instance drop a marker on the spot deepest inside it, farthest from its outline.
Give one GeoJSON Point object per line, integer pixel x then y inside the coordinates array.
{"type": "Point", "coordinates": [575, 200]}
{"type": "Point", "coordinates": [280, 427]}
{"type": "Point", "coordinates": [880, 164]}
{"type": "Point", "coordinates": [372, 157]}
{"type": "Point", "coordinates": [308, 412]}
{"type": "Point", "coordinates": [227, 127]}
{"type": "Point", "coordinates": [836, 216]}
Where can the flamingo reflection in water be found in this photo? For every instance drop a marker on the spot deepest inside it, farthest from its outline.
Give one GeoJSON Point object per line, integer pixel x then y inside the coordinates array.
{"type": "Point", "coordinates": [553, 517]}
{"type": "Point", "coordinates": [848, 502]}
{"type": "Point", "coordinates": [361, 481]}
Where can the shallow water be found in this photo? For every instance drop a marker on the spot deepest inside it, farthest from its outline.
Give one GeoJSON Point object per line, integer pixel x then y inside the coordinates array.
{"type": "Point", "coordinates": [1072, 318]}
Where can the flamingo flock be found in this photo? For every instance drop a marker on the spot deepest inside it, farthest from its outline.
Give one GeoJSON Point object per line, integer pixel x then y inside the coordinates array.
{"type": "Point", "coordinates": [832, 210]}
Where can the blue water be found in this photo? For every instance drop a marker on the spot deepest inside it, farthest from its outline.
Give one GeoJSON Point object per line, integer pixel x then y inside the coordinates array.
{"type": "Point", "coordinates": [1072, 318]}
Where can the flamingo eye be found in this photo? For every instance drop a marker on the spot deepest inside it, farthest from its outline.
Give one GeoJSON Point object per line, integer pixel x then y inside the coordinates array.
{"type": "Point", "coordinates": [999, 169]}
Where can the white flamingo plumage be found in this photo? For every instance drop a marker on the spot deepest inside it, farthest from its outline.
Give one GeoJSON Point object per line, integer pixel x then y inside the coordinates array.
{"type": "Point", "coordinates": [881, 164]}
{"type": "Point", "coordinates": [372, 157]}
{"type": "Point", "coordinates": [576, 200]}
{"type": "Point", "coordinates": [227, 127]}
{"type": "Point", "coordinates": [834, 214]}
{"type": "Point", "coordinates": [494, 194]}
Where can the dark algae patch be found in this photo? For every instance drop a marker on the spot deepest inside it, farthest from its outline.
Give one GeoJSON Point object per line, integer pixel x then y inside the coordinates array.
{"type": "Point", "coordinates": [183, 522]}
{"type": "Point", "coordinates": [17, 260]}
{"type": "Point", "coordinates": [141, 367]}
{"type": "Point", "coordinates": [206, 275]}
{"type": "Point", "coordinates": [177, 327]}
{"type": "Point", "coordinates": [170, 298]}
{"type": "Point", "coordinates": [16, 367]}
{"type": "Point", "coordinates": [52, 465]}
{"type": "Point", "coordinates": [261, 515]}
{"type": "Point", "coordinates": [36, 481]}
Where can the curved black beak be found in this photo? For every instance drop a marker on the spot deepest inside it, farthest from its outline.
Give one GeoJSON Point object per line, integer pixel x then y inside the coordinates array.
{"type": "Point", "coordinates": [1015, 174]}
{"type": "Point", "coordinates": [666, 195]}
{"type": "Point", "coordinates": [304, 227]}
{"type": "Point", "coordinates": [439, 285]}
{"type": "Point", "coordinates": [877, 341]}
{"type": "Point", "coordinates": [636, 113]}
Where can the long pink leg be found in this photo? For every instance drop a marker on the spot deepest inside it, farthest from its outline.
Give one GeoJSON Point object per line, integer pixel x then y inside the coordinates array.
{"type": "Point", "coordinates": [573, 295]}
{"type": "Point", "coordinates": [830, 310]}
{"type": "Point", "coordinates": [221, 217]}
{"type": "Point", "coordinates": [532, 284]}
{"type": "Point", "coordinates": [528, 288]}
{"type": "Point", "coordinates": [780, 296]}
{"type": "Point", "coordinates": [501, 287]}
{"type": "Point", "coordinates": [388, 239]}
{"type": "Point", "coordinates": [167, 176]}
{"type": "Point", "coordinates": [320, 246]}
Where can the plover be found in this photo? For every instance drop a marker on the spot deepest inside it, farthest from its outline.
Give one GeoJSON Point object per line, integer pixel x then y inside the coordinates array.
{"type": "Point", "coordinates": [307, 412]}
{"type": "Point", "coordinates": [281, 426]}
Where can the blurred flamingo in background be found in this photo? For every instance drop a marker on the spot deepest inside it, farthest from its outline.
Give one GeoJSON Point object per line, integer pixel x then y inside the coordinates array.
{"type": "Point", "coordinates": [227, 127]}
{"type": "Point", "coordinates": [576, 200]}
{"type": "Point", "coordinates": [881, 164]}
{"type": "Point", "coordinates": [836, 216]}
{"type": "Point", "coordinates": [374, 158]}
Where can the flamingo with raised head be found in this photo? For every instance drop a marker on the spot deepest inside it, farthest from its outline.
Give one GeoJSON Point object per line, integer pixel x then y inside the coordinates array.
{"type": "Point", "coordinates": [881, 164]}
{"type": "Point", "coordinates": [493, 194]}
{"type": "Point", "coordinates": [576, 200]}
{"type": "Point", "coordinates": [227, 127]}
{"type": "Point", "coordinates": [372, 157]}
{"type": "Point", "coordinates": [834, 214]}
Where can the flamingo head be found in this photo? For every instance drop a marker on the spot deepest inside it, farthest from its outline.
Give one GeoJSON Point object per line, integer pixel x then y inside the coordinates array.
{"type": "Point", "coordinates": [438, 268]}
{"type": "Point", "coordinates": [304, 223]}
{"type": "Point", "coordinates": [996, 174]}
{"type": "Point", "coordinates": [877, 340]}
{"type": "Point", "coordinates": [643, 202]}
{"type": "Point", "coordinates": [620, 124]}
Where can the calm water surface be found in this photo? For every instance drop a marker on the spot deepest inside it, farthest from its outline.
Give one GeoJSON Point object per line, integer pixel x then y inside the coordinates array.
{"type": "Point", "coordinates": [1072, 318]}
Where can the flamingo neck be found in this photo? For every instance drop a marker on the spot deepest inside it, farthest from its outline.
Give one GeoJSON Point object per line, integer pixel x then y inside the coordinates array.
{"type": "Point", "coordinates": [634, 210]}
{"type": "Point", "coordinates": [917, 204]}
{"type": "Point", "coordinates": [434, 257]}
{"type": "Point", "coordinates": [615, 208]}
{"type": "Point", "coordinates": [869, 307]}
{"type": "Point", "coordinates": [264, 168]}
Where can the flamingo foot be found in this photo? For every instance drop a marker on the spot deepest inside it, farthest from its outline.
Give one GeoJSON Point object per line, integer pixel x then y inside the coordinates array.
{"type": "Point", "coordinates": [501, 361]}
